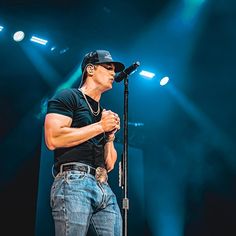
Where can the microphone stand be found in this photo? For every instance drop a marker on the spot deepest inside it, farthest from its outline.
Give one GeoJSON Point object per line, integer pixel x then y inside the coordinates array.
{"type": "Point", "coordinates": [124, 164]}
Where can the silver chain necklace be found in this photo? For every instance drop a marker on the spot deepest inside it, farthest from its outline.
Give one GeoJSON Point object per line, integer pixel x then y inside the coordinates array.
{"type": "Point", "coordinates": [95, 113]}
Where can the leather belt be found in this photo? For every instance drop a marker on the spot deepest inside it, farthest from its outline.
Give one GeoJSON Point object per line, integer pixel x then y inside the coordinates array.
{"type": "Point", "coordinates": [99, 173]}
{"type": "Point", "coordinates": [84, 168]}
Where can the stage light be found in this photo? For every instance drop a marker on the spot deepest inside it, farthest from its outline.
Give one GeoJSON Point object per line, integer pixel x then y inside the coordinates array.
{"type": "Point", "coordinates": [18, 36]}
{"type": "Point", "coordinates": [64, 50]}
{"type": "Point", "coordinates": [1, 28]}
{"type": "Point", "coordinates": [147, 74]}
{"type": "Point", "coordinates": [164, 81]}
{"type": "Point", "coordinates": [136, 124]}
{"type": "Point", "coordinates": [53, 48]}
{"type": "Point", "coordinates": [38, 40]}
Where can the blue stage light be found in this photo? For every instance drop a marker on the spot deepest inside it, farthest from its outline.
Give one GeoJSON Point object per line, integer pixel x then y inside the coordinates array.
{"type": "Point", "coordinates": [53, 48]}
{"type": "Point", "coordinates": [1, 28]}
{"type": "Point", "coordinates": [64, 50]}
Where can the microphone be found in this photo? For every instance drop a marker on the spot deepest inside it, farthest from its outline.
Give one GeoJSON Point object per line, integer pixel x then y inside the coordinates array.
{"type": "Point", "coordinates": [127, 71]}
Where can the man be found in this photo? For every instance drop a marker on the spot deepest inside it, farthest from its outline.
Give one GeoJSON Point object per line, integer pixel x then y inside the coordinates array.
{"type": "Point", "coordinates": [81, 134]}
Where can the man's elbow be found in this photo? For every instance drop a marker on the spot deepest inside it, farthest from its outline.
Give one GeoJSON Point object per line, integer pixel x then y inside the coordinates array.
{"type": "Point", "coordinates": [110, 167]}
{"type": "Point", "coordinates": [50, 144]}
{"type": "Point", "coordinates": [51, 147]}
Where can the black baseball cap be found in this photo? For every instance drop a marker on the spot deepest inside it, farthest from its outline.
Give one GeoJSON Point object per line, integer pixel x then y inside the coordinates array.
{"type": "Point", "coordinates": [101, 57]}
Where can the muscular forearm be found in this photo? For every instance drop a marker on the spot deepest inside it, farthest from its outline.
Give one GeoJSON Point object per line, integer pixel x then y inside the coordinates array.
{"type": "Point", "coordinates": [110, 155]}
{"type": "Point", "coordinates": [68, 137]}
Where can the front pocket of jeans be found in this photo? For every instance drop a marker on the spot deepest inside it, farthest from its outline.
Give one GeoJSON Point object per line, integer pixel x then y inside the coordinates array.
{"type": "Point", "coordinates": [56, 190]}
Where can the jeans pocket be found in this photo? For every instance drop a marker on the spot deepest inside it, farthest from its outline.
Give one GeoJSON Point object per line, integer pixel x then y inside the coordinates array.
{"type": "Point", "coordinates": [55, 190]}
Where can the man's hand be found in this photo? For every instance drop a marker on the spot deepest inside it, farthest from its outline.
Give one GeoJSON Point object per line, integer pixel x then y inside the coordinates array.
{"type": "Point", "coordinates": [110, 122]}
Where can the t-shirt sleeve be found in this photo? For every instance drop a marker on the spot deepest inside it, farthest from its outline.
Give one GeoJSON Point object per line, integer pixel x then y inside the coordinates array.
{"type": "Point", "coordinates": [63, 102]}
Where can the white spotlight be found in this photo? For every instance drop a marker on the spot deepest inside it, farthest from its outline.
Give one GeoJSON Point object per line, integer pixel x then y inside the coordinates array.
{"type": "Point", "coordinates": [164, 81]}
{"type": "Point", "coordinates": [18, 36]}
{"type": "Point", "coordinates": [147, 74]}
{"type": "Point", "coordinates": [38, 40]}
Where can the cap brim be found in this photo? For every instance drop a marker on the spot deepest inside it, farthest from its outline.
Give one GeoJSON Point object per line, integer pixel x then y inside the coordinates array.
{"type": "Point", "coordinates": [118, 65]}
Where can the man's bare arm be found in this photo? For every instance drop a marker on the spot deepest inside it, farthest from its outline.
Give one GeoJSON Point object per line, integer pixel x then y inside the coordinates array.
{"type": "Point", "coordinates": [58, 132]}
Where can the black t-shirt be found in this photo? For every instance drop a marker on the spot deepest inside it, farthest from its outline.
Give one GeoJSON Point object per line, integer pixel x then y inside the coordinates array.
{"type": "Point", "coordinates": [70, 102]}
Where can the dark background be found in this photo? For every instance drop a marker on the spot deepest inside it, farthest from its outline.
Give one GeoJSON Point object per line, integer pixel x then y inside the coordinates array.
{"type": "Point", "coordinates": [189, 131]}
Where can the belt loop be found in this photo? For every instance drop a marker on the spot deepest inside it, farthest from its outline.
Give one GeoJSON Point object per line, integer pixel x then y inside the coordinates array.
{"type": "Point", "coordinates": [52, 170]}
{"type": "Point", "coordinates": [88, 170]}
{"type": "Point", "coordinates": [61, 168]}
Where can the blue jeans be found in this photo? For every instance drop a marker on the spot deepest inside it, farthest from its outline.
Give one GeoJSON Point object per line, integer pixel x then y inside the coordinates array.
{"type": "Point", "coordinates": [78, 200]}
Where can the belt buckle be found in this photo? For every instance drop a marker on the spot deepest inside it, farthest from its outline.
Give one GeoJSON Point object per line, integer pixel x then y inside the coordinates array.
{"type": "Point", "coordinates": [101, 174]}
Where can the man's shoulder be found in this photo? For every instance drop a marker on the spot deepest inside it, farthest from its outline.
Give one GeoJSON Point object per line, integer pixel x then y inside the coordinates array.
{"type": "Point", "coordinates": [70, 97]}
{"type": "Point", "coordinates": [66, 92]}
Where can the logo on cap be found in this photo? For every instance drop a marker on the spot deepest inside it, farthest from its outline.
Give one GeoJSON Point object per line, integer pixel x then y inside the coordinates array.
{"type": "Point", "coordinates": [108, 56]}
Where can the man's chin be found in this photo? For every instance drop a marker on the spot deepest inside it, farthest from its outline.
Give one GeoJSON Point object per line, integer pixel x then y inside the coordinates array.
{"type": "Point", "coordinates": [107, 88]}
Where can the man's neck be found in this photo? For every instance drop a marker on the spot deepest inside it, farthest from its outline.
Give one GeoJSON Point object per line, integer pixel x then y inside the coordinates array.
{"type": "Point", "coordinates": [94, 93]}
